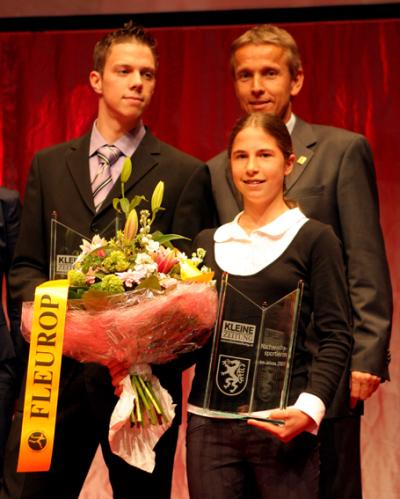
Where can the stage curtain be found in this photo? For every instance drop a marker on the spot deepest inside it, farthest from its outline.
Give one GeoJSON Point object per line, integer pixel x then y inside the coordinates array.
{"type": "Point", "coordinates": [352, 81]}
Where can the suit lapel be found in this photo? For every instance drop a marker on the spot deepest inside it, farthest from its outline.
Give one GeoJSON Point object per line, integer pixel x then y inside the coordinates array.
{"type": "Point", "coordinates": [303, 139]}
{"type": "Point", "coordinates": [145, 158]}
{"type": "Point", "coordinates": [77, 160]}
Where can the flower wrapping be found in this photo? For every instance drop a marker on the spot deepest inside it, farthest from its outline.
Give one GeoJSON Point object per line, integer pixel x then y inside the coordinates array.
{"type": "Point", "coordinates": [135, 444]}
{"type": "Point", "coordinates": [137, 327]}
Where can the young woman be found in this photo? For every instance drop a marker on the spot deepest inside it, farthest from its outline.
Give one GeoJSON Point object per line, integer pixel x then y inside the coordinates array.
{"type": "Point", "coordinates": [267, 249]}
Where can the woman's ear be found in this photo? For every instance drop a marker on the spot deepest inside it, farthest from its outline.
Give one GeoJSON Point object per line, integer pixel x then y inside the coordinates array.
{"type": "Point", "coordinates": [289, 164]}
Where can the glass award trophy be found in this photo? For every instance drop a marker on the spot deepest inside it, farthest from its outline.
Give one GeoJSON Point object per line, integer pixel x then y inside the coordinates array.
{"type": "Point", "coordinates": [252, 354]}
{"type": "Point", "coordinates": [65, 245]}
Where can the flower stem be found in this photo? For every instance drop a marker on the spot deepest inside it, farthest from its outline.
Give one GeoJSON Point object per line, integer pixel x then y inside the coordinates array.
{"type": "Point", "coordinates": [156, 402]}
{"type": "Point", "coordinates": [136, 415]}
{"type": "Point", "coordinates": [143, 398]}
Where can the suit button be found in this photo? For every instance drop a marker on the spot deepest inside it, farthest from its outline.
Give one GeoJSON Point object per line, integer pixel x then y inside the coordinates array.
{"type": "Point", "coordinates": [94, 228]}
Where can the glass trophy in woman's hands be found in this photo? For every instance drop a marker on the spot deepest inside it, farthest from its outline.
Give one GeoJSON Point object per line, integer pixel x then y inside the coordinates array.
{"type": "Point", "coordinates": [252, 354]}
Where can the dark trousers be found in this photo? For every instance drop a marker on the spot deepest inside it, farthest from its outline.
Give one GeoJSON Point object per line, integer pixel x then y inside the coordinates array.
{"type": "Point", "coordinates": [228, 459]}
{"type": "Point", "coordinates": [86, 402]}
{"type": "Point", "coordinates": [11, 373]}
{"type": "Point", "coordinates": [340, 458]}
{"type": "Point", "coordinates": [9, 388]}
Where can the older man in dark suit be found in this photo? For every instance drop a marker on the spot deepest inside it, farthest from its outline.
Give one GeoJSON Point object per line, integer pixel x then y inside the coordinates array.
{"type": "Point", "coordinates": [333, 181]}
{"type": "Point", "coordinates": [61, 180]}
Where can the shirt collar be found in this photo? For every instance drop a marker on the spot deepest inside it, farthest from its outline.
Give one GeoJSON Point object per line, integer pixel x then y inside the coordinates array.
{"type": "Point", "coordinates": [127, 143]}
{"type": "Point", "coordinates": [291, 123]}
{"type": "Point", "coordinates": [274, 230]}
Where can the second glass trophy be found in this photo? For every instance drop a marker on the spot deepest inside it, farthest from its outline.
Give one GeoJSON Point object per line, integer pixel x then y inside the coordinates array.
{"type": "Point", "coordinates": [65, 245]}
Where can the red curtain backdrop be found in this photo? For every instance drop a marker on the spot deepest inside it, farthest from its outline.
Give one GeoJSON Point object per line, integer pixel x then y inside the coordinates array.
{"type": "Point", "coordinates": [352, 81]}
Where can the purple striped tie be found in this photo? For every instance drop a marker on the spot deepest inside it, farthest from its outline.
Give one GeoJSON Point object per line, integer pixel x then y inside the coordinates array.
{"type": "Point", "coordinates": [102, 182]}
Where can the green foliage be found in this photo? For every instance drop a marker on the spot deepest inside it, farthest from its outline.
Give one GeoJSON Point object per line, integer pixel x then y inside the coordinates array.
{"type": "Point", "coordinates": [111, 284]}
{"type": "Point", "coordinates": [116, 261]}
{"type": "Point", "coordinates": [76, 278]}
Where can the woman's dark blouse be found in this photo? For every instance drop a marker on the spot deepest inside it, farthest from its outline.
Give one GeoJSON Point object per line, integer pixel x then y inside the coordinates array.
{"type": "Point", "coordinates": [324, 336]}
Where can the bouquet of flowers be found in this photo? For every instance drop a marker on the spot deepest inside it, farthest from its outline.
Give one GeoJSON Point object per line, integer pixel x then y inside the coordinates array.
{"type": "Point", "coordinates": [136, 300]}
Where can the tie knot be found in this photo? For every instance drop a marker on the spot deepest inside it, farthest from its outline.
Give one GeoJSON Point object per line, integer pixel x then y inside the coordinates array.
{"type": "Point", "coordinates": [108, 154]}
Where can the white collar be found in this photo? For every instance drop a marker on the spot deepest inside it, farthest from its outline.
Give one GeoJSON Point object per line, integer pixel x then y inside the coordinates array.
{"type": "Point", "coordinates": [274, 230]}
{"type": "Point", "coordinates": [291, 123]}
{"type": "Point", "coordinates": [127, 143]}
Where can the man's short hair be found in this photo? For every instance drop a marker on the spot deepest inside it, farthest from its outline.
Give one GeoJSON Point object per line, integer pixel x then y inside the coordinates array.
{"type": "Point", "coordinates": [129, 32]}
{"type": "Point", "coordinates": [269, 34]}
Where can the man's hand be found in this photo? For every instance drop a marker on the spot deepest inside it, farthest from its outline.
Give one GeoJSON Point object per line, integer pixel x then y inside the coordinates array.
{"type": "Point", "coordinates": [363, 385]}
{"type": "Point", "coordinates": [295, 422]}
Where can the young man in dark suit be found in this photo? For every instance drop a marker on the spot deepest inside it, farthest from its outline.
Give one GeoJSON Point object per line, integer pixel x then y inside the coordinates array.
{"type": "Point", "coordinates": [333, 181]}
{"type": "Point", "coordinates": [124, 76]}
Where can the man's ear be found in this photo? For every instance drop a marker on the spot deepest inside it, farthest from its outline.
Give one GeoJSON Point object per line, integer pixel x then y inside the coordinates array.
{"type": "Point", "coordinates": [96, 82]}
{"type": "Point", "coordinates": [297, 83]}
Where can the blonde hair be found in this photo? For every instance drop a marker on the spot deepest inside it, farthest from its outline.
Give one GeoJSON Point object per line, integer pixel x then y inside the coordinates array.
{"type": "Point", "coordinates": [269, 34]}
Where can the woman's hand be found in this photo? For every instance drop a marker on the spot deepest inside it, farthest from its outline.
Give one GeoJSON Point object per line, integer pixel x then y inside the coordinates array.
{"type": "Point", "coordinates": [294, 423]}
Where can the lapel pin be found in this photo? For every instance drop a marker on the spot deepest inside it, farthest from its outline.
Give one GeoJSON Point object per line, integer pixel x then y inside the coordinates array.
{"type": "Point", "coordinates": [301, 160]}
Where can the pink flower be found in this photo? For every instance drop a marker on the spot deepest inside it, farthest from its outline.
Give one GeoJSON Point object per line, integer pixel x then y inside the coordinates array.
{"type": "Point", "coordinates": [89, 246]}
{"type": "Point", "coordinates": [132, 277]}
{"type": "Point", "coordinates": [90, 277]}
{"type": "Point", "coordinates": [165, 260]}
{"type": "Point", "coordinates": [168, 282]}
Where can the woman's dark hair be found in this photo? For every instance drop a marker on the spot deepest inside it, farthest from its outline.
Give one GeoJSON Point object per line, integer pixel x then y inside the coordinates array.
{"type": "Point", "coordinates": [272, 125]}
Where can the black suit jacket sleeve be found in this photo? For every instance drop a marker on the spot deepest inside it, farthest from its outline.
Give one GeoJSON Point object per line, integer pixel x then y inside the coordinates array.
{"type": "Point", "coordinates": [195, 209]}
{"type": "Point", "coordinates": [331, 314]}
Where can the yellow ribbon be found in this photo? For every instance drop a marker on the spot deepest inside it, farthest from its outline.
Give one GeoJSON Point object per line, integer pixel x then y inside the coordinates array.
{"type": "Point", "coordinates": [43, 376]}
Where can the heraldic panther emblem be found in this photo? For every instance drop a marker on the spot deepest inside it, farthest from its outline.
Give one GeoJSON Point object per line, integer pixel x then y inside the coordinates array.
{"type": "Point", "coordinates": [232, 374]}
